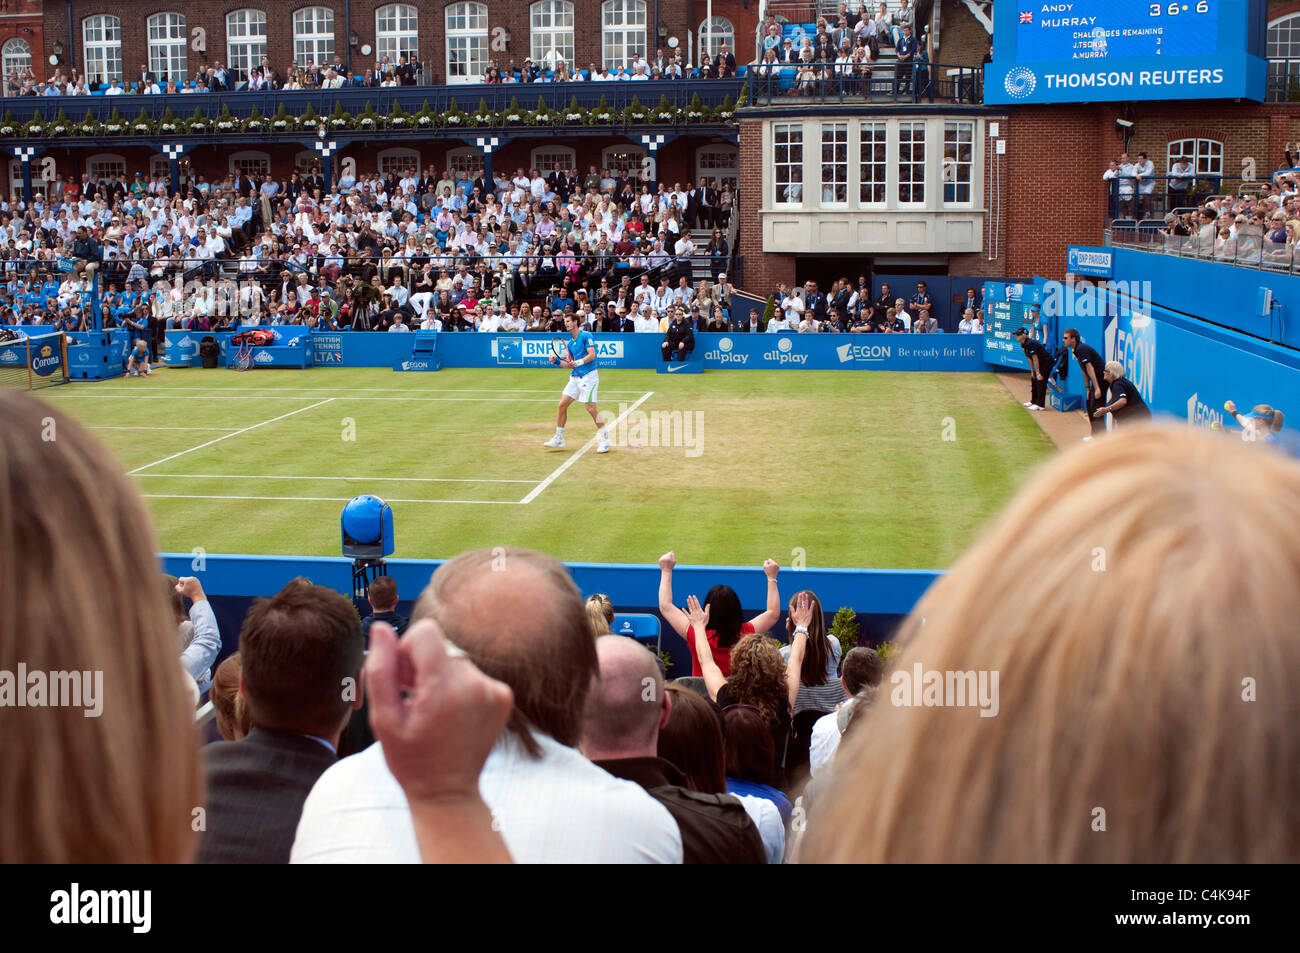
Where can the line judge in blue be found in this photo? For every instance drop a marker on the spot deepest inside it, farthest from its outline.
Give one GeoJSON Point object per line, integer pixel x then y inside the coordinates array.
{"type": "Point", "coordinates": [583, 382]}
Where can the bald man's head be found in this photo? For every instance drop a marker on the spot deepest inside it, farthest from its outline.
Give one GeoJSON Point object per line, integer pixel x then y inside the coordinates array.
{"type": "Point", "coordinates": [520, 618]}
{"type": "Point", "coordinates": [627, 704]}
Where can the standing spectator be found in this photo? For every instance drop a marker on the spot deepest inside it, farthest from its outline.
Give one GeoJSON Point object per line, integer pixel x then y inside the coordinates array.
{"type": "Point", "coordinates": [921, 302]}
{"type": "Point", "coordinates": [299, 652]}
{"type": "Point", "coordinates": [1127, 176]}
{"type": "Point", "coordinates": [903, 70]}
{"type": "Point", "coordinates": [625, 711]}
{"type": "Point", "coordinates": [1145, 171]}
{"type": "Point", "coordinates": [1181, 178]}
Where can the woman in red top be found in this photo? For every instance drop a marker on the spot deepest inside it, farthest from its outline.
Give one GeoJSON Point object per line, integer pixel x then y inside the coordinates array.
{"type": "Point", "coordinates": [724, 614]}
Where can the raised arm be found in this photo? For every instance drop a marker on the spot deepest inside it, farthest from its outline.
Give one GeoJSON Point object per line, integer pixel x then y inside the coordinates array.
{"type": "Point", "coordinates": [768, 618]}
{"type": "Point", "coordinates": [206, 645]}
{"type": "Point", "coordinates": [699, 621]}
{"type": "Point", "coordinates": [802, 616]}
{"type": "Point", "coordinates": [674, 616]}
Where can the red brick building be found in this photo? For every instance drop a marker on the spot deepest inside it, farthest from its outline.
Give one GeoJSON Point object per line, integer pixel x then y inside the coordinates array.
{"type": "Point", "coordinates": [22, 42]}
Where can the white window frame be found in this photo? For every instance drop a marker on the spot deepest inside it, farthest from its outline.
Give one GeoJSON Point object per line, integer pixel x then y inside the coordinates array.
{"type": "Point", "coordinates": [313, 36]}
{"type": "Point", "coordinates": [1206, 155]}
{"type": "Point", "coordinates": [543, 158]}
{"type": "Point", "coordinates": [721, 32]}
{"type": "Point", "coordinates": [401, 158]}
{"type": "Point", "coordinates": [623, 26]}
{"type": "Point", "coordinates": [16, 54]}
{"type": "Point", "coordinates": [239, 161]}
{"type": "Point", "coordinates": [626, 159]}
{"type": "Point", "coordinates": [787, 130]}
{"type": "Point", "coordinates": [836, 159]}
{"type": "Point", "coordinates": [466, 41]}
{"type": "Point", "coordinates": [103, 164]}
{"type": "Point", "coordinates": [550, 32]}
{"type": "Point", "coordinates": [159, 164]}
{"type": "Point", "coordinates": [464, 159]}
{"type": "Point", "coordinates": [168, 46]}
{"type": "Point", "coordinates": [16, 179]}
{"type": "Point", "coordinates": [958, 164]}
{"type": "Point", "coordinates": [724, 172]}
{"type": "Point", "coordinates": [101, 43]}
{"type": "Point", "coordinates": [877, 162]}
{"type": "Point", "coordinates": [397, 32]}
{"type": "Point", "coordinates": [245, 40]}
{"type": "Point", "coordinates": [906, 158]}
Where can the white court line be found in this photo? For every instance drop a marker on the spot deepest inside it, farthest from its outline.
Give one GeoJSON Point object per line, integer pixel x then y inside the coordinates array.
{"type": "Point", "coordinates": [537, 490]}
{"type": "Point", "coordinates": [229, 435]}
{"type": "Point", "coordinates": [312, 391]}
{"type": "Point", "coordinates": [161, 428]}
{"type": "Point", "coordinates": [155, 396]}
{"type": "Point", "coordinates": [313, 499]}
{"type": "Point", "coordinates": [364, 479]}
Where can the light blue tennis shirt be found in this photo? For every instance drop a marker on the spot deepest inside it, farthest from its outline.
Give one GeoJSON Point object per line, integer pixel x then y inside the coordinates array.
{"type": "Point", "coordinates": [578, 350]}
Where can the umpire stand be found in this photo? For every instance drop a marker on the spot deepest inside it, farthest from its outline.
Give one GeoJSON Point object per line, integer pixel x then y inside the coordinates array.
{"type": "Point", "coordinates": [366, 524]}
{"type": "Point", "coordinates": [424, 353]}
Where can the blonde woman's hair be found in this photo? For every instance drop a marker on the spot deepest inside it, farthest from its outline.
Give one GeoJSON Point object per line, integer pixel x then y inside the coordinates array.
{"type": "Point", "coordinates": [1139, 601]}
{"type": "Point", "coordinates": [601, 611]}
{"type": "Point", "coordinates": [1272, 413]}
{"type": "Point", "coordinates": [75, 541]}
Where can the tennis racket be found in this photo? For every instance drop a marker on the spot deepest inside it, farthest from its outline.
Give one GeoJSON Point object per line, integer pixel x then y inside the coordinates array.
{"type": "Point", "coordinates": [244, 358]}
{"type": "Point", "coordinates": [559, 350]}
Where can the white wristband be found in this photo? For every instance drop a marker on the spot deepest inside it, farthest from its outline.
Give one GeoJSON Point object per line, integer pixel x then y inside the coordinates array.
{"type": "Point", "coordinates": [801, 630]}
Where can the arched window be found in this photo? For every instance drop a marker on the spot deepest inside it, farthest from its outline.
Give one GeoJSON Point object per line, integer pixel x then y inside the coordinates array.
{"type": "Point", "coordinates": [399, 161]}
{"type": "Point", "coordinates": [715, 32]}
{"type": "Point", "coordinates": [1206, 155]}
{"type": "Point", "coordinates": [623, 29]}
{"type": "Point", "coordinates": [102, 40]}
{"type": "Point", "coordinates": [467, 42]}
{"type": "Point", "coordinates": [245, 40]}
{"type": "Point", "coordinates": [397, 32]}
{"type": "Point", "coordinates": [1283, 48]}
{"type": "Point", "coordinates": [552, 32]}
{"type": "Point", "coordinates": [250, 163]}
{"type": "Point", "coordinates": [167, 46]}
{"type": "Point", "coordinates": [543, 158]}
{"type": "Point", "coordinates": [17, 60]}
{"type": "Point", "coordinates": [313, 36]}
{"type": "Point", "coordinates": [106, 165]}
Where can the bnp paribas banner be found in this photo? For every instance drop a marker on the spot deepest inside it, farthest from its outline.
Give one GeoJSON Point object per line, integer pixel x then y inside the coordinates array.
{"type": "Point", "coordinates": [1075, 51]}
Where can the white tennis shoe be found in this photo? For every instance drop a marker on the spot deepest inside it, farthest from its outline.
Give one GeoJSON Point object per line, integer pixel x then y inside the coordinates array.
{"type": "Point", "coordinates": [557, 442]}
{"type": "Point", "coordinates": [604, 446]}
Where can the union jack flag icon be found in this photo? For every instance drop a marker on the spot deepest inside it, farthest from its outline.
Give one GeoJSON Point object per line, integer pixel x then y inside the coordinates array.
{"type": "Point", "coordinates": [1027, 17]}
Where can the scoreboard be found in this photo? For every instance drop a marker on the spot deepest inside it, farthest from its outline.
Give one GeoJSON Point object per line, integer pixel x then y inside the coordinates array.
{"type": "Point", "coordinates": [1107, 29]}
{"type": "Point", "coordinates": [1006, 307]}
{"type": "Point", "coordinates": [1064, 51]}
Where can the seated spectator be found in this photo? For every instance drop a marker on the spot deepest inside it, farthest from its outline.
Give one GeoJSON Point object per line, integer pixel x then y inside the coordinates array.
{"type": "Point", "coordinates": [679, 340]}
{"type": "Point", "coordinates": [382, 596]}
{"type": "Point", "coordinates": [518, 616]}
{"type": "Point", "coordinates": [296, 650]}
{"type": "Point", "coordinates": [970, 322]}
{"type": "Point", "coordinates": [229, 706]}
{"type": "Point", "coordinates": [863, 672]}
{"type": "Point", "coordinates": [625, 711]}
{"type": "Point", "coordinates": [752, 757]}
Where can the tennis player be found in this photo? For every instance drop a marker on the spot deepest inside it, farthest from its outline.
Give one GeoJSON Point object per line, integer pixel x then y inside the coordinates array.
{"type": "Point", "coordinates": [583, 381]}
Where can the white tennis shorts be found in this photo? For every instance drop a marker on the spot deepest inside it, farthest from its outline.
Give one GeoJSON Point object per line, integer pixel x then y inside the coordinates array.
{"type": "Point", "coordinates": [583, 389]}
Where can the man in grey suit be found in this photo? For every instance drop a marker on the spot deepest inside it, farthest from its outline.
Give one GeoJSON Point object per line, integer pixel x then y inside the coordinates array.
{"type": "Point", "coordinates": [301, 655]}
